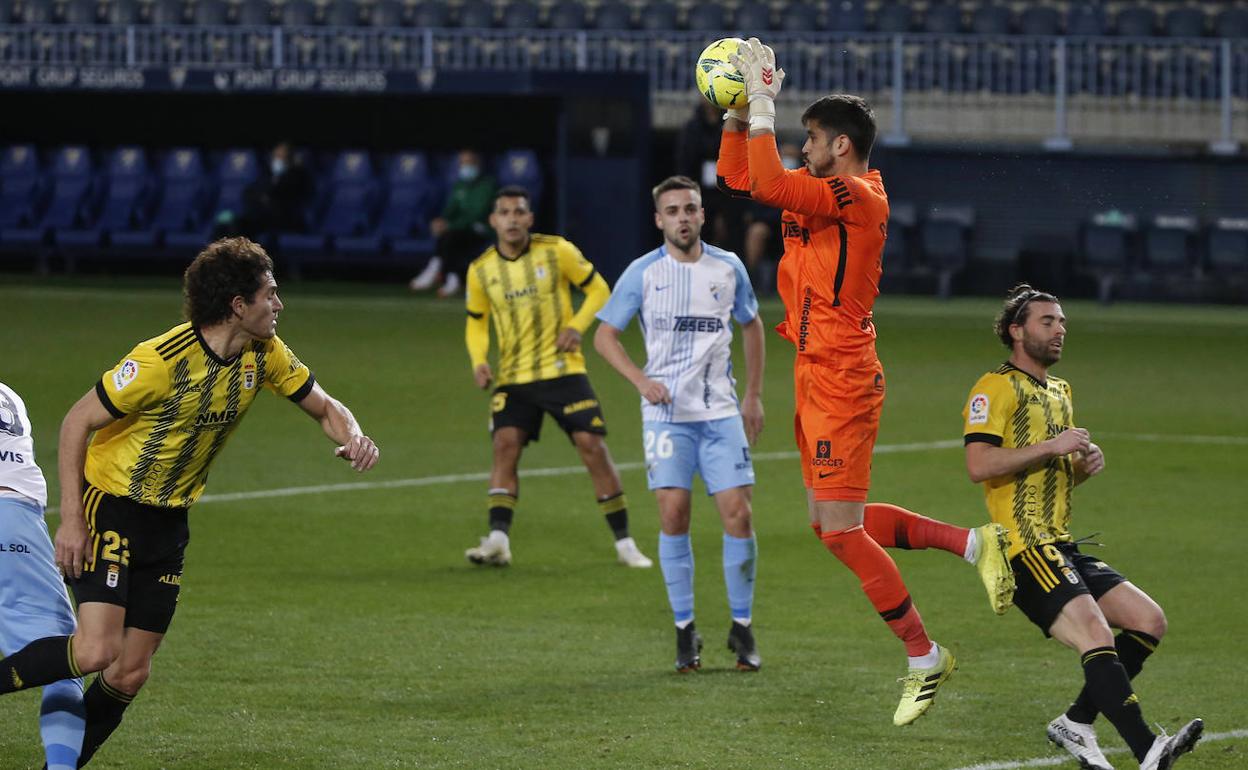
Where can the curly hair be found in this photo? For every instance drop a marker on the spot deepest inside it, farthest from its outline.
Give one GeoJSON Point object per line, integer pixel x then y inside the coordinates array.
{"type": "Point", "coordinates": [1016, 309]}
{"type": "Point", "coordinates": [228, 268]}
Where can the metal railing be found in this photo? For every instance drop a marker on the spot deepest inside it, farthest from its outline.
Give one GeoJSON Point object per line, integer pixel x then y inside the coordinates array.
{"type": "Point", "coordinates": [1200, 85]}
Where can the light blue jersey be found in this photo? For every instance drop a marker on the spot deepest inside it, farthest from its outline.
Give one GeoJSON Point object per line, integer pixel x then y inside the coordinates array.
{"type": "Point", "coordinates": [686, 310]}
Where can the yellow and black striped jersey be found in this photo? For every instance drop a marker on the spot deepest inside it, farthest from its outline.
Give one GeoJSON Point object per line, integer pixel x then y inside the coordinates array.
{"type": "Point", "coordinates": [176, 404]}
{"type": "Point", "coordinates": [530, 300]}
{"type": "Point", "coordinates": [1010, 408]}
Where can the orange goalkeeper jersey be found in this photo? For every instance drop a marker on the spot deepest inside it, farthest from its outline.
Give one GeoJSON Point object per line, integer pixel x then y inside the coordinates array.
{"type": "Point", "coordinates": [834, 231]}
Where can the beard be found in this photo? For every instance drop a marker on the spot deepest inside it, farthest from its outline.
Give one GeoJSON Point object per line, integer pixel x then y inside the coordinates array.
{"type": "Point", "coordinates": [686, 242]}
{"type": "Point", "coordinates": [1040, 351]}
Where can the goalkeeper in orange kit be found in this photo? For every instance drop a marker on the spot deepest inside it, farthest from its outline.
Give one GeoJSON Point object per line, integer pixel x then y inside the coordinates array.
{"type": "Point", "coordinates": [834, 223]}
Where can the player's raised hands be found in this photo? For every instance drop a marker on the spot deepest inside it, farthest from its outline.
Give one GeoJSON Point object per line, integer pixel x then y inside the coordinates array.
{"type": "Point", "coordinates": [360, 451]}
{"type": "Point", "coordinates": [757, 64]}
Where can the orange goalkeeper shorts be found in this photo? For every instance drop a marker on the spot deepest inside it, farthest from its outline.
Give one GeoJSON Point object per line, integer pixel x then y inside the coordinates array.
{"type": "Point", "coordinates": [837, 419]}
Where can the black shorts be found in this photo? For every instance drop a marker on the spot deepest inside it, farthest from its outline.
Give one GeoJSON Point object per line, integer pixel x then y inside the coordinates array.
{"type": "Point", "coordinates": [1051, 575]}
{"type": "Point", "coordinates": [570, 400]}
{"type": "Point", "coordinates": [138, 552]}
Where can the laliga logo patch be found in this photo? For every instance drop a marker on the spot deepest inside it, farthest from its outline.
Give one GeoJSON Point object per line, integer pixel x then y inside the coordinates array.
{"type": "Point", "coordinates": [979, 410]}
{"type": "Point", "coordinates": [249, 376]}
{"type": "Point", "coordinates": [125, 374]}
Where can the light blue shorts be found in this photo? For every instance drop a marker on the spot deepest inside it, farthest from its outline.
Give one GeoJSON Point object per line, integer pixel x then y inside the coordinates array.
{"type": "Point", "coordinates": [33, 601]}
{"type": "Point", "coordinates": [716, 449]}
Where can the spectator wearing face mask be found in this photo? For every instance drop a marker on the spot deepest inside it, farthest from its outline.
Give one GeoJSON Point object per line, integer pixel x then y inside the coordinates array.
{"type": "Point", "coordinates": [462, 231]}
{"type": "Point", "coordinates": [277, 201]}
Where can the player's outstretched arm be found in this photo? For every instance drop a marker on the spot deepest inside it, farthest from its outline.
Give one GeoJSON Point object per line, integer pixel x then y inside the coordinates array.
{"type": "Point", "coordinates": [985, 461]}
{"type": "Point", "coordinates": [752, 337]}
{"type": "Point", "coordinates": [607, 343]}
{"type": "Point", "coordinates": [340, 425]}
{"type": "Point", "coordinates": [84, 417]}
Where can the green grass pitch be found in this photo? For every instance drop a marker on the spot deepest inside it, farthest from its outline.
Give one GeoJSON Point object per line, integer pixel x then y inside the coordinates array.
{"type": "Point", "coordinates": [343, 628]}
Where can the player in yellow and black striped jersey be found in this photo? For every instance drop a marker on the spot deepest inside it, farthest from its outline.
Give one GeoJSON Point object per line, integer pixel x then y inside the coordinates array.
{"type": "Point", "coordinates": [524, 283]}
{"type": "Point", "coordinates": [1023, 445]}
{"type": "Point", "coordinates": [159, 418]}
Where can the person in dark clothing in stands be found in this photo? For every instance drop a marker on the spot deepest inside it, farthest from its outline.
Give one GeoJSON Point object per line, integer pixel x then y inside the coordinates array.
{"type": "Point", "coordinates": [276, 201]}
{"type": "Point", "coordinates": [462, 231]}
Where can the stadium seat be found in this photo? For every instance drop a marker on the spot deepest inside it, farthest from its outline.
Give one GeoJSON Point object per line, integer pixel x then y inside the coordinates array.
{"type": "Point", "coordinates": [1232, 22]}
{"type": "Point", "coordinates": [180, 208]}
{"type": "Point", "coordinates": [6, 12]}
{"type": "Point", "coordinates": [210, 13]}
{"type": "Point", "coordinates": [945, 236]}
{"type": "Point", "coordinates": [1085, 19]}
{"type": "Point", "coordinates": [235, 170]}
{"type": "Point", "coordinates": [1184, 21]}
{"type": "Point", "coordinates": [347, 210]}
{"type": "Point", "coordinates": [753, 18]}
{"type": "Point", "coordinates": [991, 19]}
{"type": "Point", "coordinates": [521, 167]}
{"type": "Point", "coordinates": [19, 186]}
{"type": "Point", "coordinates": [1136, 21]}
{"type": "Point", "coordinates": [798, 16]}
{"type": "Point", "coordinates": [1105, 250]}
{"type": "Point", "coordinates": [521, 14]}
{"type": "Point", "coordinates": [1039, 20]}
{"type": "Point", "coordinates": [402, 225]}
{"type": "Point", "coordinates": [388, 13]}
{"type": "Point", "coordinates": [343, 13]}
{"type": "Point", "coordinates": [899, 246]}
{"type": "Point", "coordinates": [297, 13]}
{"type": "Point", "coordinates": [893, 18]}
{"type": "Point", "coordinates": [657, 16]}
{"type": "Point", "coordinates": [475, 14]}
{"type": "Point", "coordinates": [36, 12]}
{"type": "Point", "coordinates": [255, 13]}
{"type": "Point", "coordinates": [613, 14]}
{"type": "Point", "coordinates": [1227, 251]}
{"type": "Point", "coordinates": [707, 18]}
{"type": "Point", "coordinates": [568, 15]}
{"type": "Point", "coordinates": [73, 182]}
{"type": "Point", "coordinates": [943, 19]}
{"type": "Point", "coordinates": [1169, 245]}
{"type": "Point", "coordinates": [124, 204]}
{"type": "Point", "coordinates": [81, 12]}
{"type": "Point", "coordinates": [846, 16]}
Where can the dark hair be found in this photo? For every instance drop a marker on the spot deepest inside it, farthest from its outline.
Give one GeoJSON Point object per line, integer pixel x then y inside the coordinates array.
{"type": "Point", "coordinates": [228, 268]}
{"type": "Point", "coordinates": [845, 114]}
{"type": "Point", "coordinates": [674, 183]}
{"type": "Point", "coordinates": [1016, 309]}
{"type": "Point", "coordinates": [512, 191]}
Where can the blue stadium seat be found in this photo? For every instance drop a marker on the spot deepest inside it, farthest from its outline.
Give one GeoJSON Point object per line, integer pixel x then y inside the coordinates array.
{"type": "Point", "coordinates": [893, 17]}
{"type": "Point", "coordinates": [899, 254]}
{"type": "Point", "coordinates": [568, 15]}
{"type": "Point", "coordinates": [180, 209]}
{"type": "Point", "coordinates": [297, 13]}
{"type": "Point", "coordinates": [19, 186]}
{"type": "Point", "coordinates": [613, 14]}
{"type": "Point", "coordinates": [657, 16]}
{"type": "Point", "coordinates": [343, 13]}
{"type": "Point", "coordinates": [431, 13]}
{"type": "Point", "coordinates": [1039, 20]}
{"type": "Point", "coordinates": [1227, 250]}
{"type": "Point", "coordinates": [403, 224]}
{"type": "Point", "coordinates": [123, 205]}
{"type": "Point", "coordinates": [753, 18]}
{"type": "Point", "coordinates": [36, 12]}
{"type": "Point", "coordinates": [707, 18]}
{"type": "Point", "coordinates": [943, 19]}
{"type": "Point", "coordinates": [1232, 22]}
{"type": "Point", "coordinates": [6, 12]}
{"type": "Point", "coordinates": [388, 13]}
{"type": "Point", "coordinates": [1085, 19]}
{"type": "Point", "coordinates": [521, 14]}
{"type": "Point", "coordinates": [991, 19]}
{"type": "Point", "coordinates": [73, 182]}
{"type": "Point", "coordinates": [521, 167]}
{"type": "Point", "coordinates": [167, 12]}
{"type": "Point", "coordinates": [799, 16]}
{"type": "Point", "coordinates": [476, 14]}
{"type": "Point", "coordinates": [81, 12]}
{"type": "Point", "coordinates": [1136, 21]}
{"type": "Point", "coordinates": [235, 170]}
{"type": "Point", "coordinates": [1170, 245]}
{"type": "Point", "coordinates": [945, 236]}
{"type": "Point", "coordinates": [347, 211]}
{"type": "Point", "coordinates": [1105, 250]}
{"type": "Point", "coordinates": [255, 13]}
{"type": "Point", "coordinates": [210, 13]}
{"type": "Point", "coordinates": [123, 12]}
{"type": "Point", "coordinates": [846, 16]}
{"type": "Point", "coordinates": [1184, 21]}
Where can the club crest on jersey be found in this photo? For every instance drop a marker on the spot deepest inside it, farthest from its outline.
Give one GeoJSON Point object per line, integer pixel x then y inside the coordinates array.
{"type": "Point", "coordinates": [125, 373]}
{"type": "Point", "coordinates": [716, 288]}
{"type": "Point", "coordinates": [114, 574]}
{"type": "Point", "coordinates": [249, 376]}
{"type": "Point", "coordinates": [977, 413]}
{"type": "Point", "coordinates": [540, 272]}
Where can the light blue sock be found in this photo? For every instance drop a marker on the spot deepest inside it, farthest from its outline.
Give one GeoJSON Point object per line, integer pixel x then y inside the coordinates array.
{"type": "Point", "coordinates": [62, 721]}
{"type": "Point", "coordinates": [676, 559]}
{"type": "Point", "coordinates": [740, 560]}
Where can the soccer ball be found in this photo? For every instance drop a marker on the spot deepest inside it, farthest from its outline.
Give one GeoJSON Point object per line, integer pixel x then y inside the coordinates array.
{"type": "Point", "coordinates": [717, 79]}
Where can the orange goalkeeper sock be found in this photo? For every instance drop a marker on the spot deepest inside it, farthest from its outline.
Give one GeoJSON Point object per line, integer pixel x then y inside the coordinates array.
{"type": "Point", "coordinates": [894, 527]}
{"type": "Point", "coordinates": [882, 583]}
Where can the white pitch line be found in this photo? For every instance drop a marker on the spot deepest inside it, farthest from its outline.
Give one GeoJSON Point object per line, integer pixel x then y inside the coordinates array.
{"type": "Point", "coordinates": [1066, 759]}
